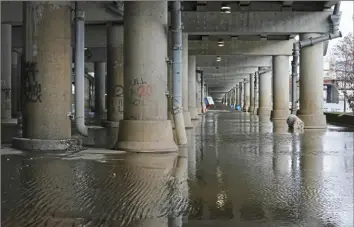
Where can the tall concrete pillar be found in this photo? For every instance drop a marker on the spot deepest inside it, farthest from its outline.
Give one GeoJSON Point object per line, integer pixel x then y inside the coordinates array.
{"type": "Point", "coordinates": [6, 46]}
{"type": "Point", "coordinates": [15, 84]}
{"type": "Point", "coordinates": [251, 91]}
{"type": "Point", "coordinates": [47, 94]}
{"type": "Point", "coordinates": [100, 90]}
{"type": "Point", "coordinates": [186, 113]}
{"type": "Point", "coordinates": [237, 95]}
{"type": "Point", "coordinates": [280, 88]}
{"type": "Point", "coordinates": [311, 85]}
{"type": "Point", "coordinates": [246, 95]}
{"type": "Point", "coordinates": [256, 93]}
{"type": "Point", "coordinates": [192, 105]}
{"type": "Point", "coordinates": [199, 97]}
{"type": "Point", "coordinates": [145, 127]}
{"type": "Point", "coordinates": [265, 93]}
{"type": "Point", "coordinates": [240, 95]}
{"type": "Point", "coordinates": [114, 86]}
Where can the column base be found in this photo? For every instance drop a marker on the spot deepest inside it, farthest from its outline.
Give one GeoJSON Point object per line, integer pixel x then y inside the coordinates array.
{"type": "Point", "coordinates": [187, 119]}
{"type": "Point", "coordinates": [9, 121]}
{"type": "Point", "coordinates": [145, 136]}
{"type": "Point", "coordinates": [251, 109]}
{"type": "Point", "coordinates": [194, 113]}
{"type": "Point", "coordinates": [111, 132]}
{"type": "Point", "coordinates": [72, 144]}
{"type": "Point", "coordinates": [313, 121]}
{"type": "Point", "coordinates": [279, 114]}
{"type": "Point", "coordinates": [264, 111]}
{"type": "Point", "coordinates": [245, 108]}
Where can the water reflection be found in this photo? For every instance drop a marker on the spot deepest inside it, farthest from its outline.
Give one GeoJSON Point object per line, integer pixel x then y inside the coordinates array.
{"type": "Point", "coordinates": [130, 190]}
{"type": "Point", "coordinates": [233, 172]}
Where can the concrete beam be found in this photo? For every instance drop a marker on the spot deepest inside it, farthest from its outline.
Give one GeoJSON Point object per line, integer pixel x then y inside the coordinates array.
{"type": "Point", "coordinates": [223, 70]}
{"type": "Point", "coordinates": [95, 12]}
{"type": "Point", "coordinates": [234, 61]}
{"type": "Point", "coordinates": [241, 47]}
{"type": "Point", "coordinates": [254, 23]}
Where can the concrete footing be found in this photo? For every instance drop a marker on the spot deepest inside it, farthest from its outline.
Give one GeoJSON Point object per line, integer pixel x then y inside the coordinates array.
{"type": "Point", "coordinates": [46, 145]}
{"type": "Point", "coordinates": [251, 109]}
{"type": "Point", "coordinates": [187, 119]}
{"type": "Point", "coordinates": [313, 121]}
{"type": "Point", "coordinates": [146, 136]}
{"type": "Point", "coordinates": [264, 111]}
{"type": "Point", "coordinates": [279, 114]}
{"type": "Point", "coordinates": [194, 113]}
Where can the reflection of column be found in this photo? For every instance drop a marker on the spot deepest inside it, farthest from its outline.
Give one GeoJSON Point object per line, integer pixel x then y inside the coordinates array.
{"type": "Point", "coordinates": [6, 41]}
{"type": "Point", "coordinates": [311, 164]}
{"type": "Point", "coordinates": [145, 127]}
{"type": "Point", "coordinates": [246, 93]}
{"type": "Point", "coordinates": [191, 154]}
{"type": "Point", "coordinates": [100, 89]}
{"type": "Point", "coordinates": [311, 84]}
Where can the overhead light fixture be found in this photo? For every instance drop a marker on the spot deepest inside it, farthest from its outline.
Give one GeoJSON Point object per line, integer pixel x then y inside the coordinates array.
{"type": "Point", "coordinates": [218, 58]}
{"type": "Point", "coordinates": [221, 43]}
{"type": "Point", "coordinates": [225, 8]}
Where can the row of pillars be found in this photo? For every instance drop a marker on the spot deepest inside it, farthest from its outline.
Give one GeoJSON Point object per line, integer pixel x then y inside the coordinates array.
{"type": "Point", "coordinates": [137, 77]}
{"type": "Point", "coordinates": [272, 86]}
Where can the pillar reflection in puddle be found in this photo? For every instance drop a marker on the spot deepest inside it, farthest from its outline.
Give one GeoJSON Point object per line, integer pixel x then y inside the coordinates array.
{"type": "Point", "coordinates": [153, 191]}
{"type": "Point", "coordinates": [312, 179]}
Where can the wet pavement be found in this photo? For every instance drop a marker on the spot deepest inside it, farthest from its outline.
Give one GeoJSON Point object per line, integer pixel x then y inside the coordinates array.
{"type": "Point", "coordinates": [235, 171]}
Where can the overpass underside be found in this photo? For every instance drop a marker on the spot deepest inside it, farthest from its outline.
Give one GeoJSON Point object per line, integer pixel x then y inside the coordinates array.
{"type": "Point", "coordinates": [146, 87]}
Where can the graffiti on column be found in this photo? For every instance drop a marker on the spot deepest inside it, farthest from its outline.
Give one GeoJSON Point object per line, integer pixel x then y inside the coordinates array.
{"type": "Point", "coordinates": [139, 89]}
{"type": "Point", "coordinates": [118, 98]}
{"type": "Point", "coordinates": [6, 93]}
{"type": "Point", "coordinates": [32, 88]}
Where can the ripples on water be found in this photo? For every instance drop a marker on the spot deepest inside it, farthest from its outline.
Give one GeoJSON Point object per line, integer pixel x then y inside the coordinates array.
{"type": "Point", "coordinates": [234, 172]}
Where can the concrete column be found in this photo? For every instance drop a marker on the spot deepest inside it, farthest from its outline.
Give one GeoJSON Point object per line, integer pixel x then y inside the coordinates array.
{"type": "Point", "coordinates": [265, 94]}
{"type": "Point", "coordinates": [145, 127]}
{"type": "Point", "coordinates": [192, 106]}
{"type": "Point", "coordinates": [100, 90]}
{"type": "Point", "coordinates": [280, 88]}
{"type": "Point", "coordinates": [230, 98]}
{"type": "Point", "coordinates": [246, 95]}
{"type": "Point", "coordinates": [199, 97]}
{"type": "Point", "coordinates": [240, 95]}
{"type": "Point", "coordinates": [251, 86]}
{"type": "Point", "coordinates": [186, 113]}
{"type": "Point", "coordinates": [15, 84]}
{"type": "Point", "coordinates": [311, 85]}
{"type": "Point", "coordinates": [256, 93]}
{"type": "Point", "coordinates": [6, 45]}
{"type": "Point", "coordinates": [114, 85]}
{"type": "Point", "coordinates": [47, 92]}
{"type": "Point", "coordinates": [237, 95]}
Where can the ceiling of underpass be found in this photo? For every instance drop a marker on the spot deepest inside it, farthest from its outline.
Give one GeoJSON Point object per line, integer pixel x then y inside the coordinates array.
{"type": "Point", "coordinates": [253, 31]}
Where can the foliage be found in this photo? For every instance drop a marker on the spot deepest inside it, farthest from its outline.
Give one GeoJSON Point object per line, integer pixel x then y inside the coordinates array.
{"type": "Point", "coordinates": [343, 65]}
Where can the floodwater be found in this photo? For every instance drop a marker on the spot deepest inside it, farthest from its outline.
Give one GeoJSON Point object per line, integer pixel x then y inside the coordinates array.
{"type": "Point", "coordinates": [235, 171]}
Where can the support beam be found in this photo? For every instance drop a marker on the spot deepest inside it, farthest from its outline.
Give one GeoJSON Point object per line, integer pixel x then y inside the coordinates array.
{"type": "Point", "coordinates": [234, 61]}
{"type": "Point", "coordinates": [227, 70]}
{"type": "Point", "coordinates": [252, 23]}
{"type": "Point", "coordinates": [241, 47]}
